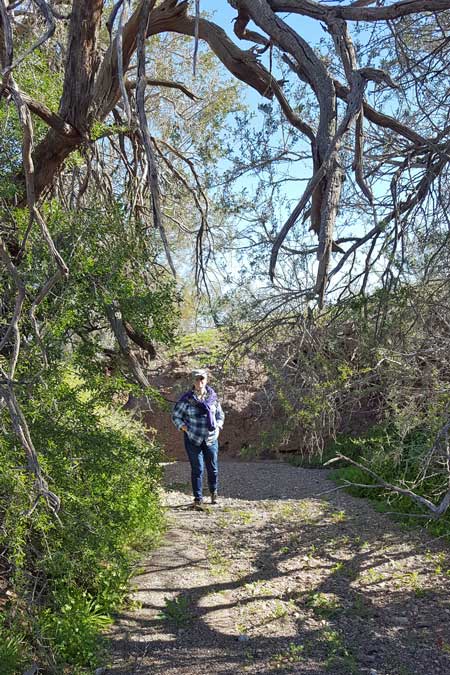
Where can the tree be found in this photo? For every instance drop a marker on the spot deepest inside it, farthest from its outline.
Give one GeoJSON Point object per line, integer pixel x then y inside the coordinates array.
{"type": "Point", "coordinates": [93, 87]}
{"type": "Point", "coordinates": [97, 211]}
{"type": "Point", "coordinates": [102, 50]}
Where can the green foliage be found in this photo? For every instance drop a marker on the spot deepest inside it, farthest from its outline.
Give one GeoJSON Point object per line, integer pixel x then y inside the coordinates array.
{"type": "Point", "coordinates": [73, 625]}
{"type": "Point", "coordinates": [42, 80]}
{"type": "Point", "coordinates": [212, 341]}
{"type": "Point", "coordinates": [110, 265]}
{"type": "Point", "coordinates": [13, 650]}
{"type": "Point", "coordinates": [398, 460]}
{"type": "Point", "coordinates": [338, 653]}
{"type": "Point", "coordinates": [71, 575]}
{"type": "Point", "coordinates": [177, 610]}
{"type": "Point", "coordinates": [41, 77]}
{"type": "Point", "coordinates": [108, 259]}
{"type": "Point", "coordinates": [107, 475]}
{"type": "Point", "coordinates": [324, 605]}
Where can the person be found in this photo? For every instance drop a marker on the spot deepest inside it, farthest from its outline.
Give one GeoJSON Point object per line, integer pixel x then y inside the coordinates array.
{"type": "Point", "coordinates": [199, 415]}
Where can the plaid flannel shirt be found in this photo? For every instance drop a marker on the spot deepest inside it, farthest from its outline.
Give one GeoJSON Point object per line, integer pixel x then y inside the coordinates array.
{"type": "Point", "coordinates": [186, 412]}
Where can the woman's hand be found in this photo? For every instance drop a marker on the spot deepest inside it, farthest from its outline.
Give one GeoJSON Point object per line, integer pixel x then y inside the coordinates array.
{"type": "Point", "coordinates": [183, 428]}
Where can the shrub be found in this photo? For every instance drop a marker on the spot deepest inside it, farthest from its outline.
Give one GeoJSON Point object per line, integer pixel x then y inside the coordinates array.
{"type": "Point", "coordinates": [72, 573]}
{"type": "Point", "coordinates": [398, 461]}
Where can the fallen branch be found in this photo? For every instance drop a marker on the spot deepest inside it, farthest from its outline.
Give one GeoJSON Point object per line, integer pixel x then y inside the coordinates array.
{"type": "Point", "coordinates": [436, 510]}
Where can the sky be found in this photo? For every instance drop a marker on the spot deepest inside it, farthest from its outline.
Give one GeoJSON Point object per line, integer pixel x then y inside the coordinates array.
{"type": "Point", "coordinates": [223, 14]}
{"type": "Point", "coordinates": [312, 31]}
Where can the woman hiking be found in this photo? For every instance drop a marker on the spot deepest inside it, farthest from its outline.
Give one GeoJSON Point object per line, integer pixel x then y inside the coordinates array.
{"type": "Point", "coordinates": [199, 415]}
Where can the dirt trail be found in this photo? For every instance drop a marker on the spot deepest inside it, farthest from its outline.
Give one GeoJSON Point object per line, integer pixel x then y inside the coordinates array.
{"type": "Point", "coordinates": [285, 577]}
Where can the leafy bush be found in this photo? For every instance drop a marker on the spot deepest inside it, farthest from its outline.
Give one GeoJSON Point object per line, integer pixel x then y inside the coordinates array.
{"type": "Point", "coordinates": [70, 575]}
{"type": "Point", "coordinates": [397, 461]}
{"type": "Point", "coordinates": [73, 624]}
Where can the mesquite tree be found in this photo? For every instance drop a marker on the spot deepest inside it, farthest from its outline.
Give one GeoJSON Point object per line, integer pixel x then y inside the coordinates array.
{"type": "Point", "coordinates": [106, 73]}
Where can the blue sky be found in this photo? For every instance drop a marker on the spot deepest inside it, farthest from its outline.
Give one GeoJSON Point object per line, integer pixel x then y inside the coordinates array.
{"type": "Point", "coordinates": [312, 32]}
{"type": "Point", "coordinates": [223, 14]}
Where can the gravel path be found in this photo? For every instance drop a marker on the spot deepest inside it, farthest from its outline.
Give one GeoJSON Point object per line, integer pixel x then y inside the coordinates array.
{"type": "Point", "coordinates": [284, 576]}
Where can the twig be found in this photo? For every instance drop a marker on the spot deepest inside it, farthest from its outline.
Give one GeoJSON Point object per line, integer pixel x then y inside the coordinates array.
{"type": "Point", "coordinates": [152, 178]}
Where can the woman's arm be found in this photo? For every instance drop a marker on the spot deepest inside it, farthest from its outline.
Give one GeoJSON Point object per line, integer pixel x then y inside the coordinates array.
{"type": "Point", "coordinates": [179, 416]}
{"type": "Point", "coordinates": [220, 415]}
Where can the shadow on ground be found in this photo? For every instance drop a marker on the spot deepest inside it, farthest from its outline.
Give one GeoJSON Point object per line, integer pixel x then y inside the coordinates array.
{"type": "Point", "coordinates": [283, 578]}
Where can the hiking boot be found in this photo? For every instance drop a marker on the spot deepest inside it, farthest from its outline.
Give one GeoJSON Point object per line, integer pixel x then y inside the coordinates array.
{"type": "Point", "coordinates": [213, 497]}
{"type": "Point", "coordinates": [198, 505]}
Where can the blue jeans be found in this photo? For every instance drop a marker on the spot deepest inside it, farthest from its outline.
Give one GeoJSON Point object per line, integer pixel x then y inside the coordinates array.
{"type": "Point", "coordinates": [199, 455]}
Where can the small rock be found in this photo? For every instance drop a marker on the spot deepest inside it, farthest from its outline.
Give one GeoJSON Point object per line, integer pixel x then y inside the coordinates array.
{"type": "Point", "coordinates": [33, 670]}
{"type": "Point", "coordinates": [372, 671]}
{"type": "Point", "coordinates": [99, 671]}
{"type": "Point", "coordinates": [402, 620]}
{"type": "Point", "coordinates": [243, 638]}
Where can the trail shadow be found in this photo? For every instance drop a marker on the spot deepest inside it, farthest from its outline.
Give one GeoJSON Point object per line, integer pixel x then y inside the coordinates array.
{"type": "Point", "coordinates": [342, 571]}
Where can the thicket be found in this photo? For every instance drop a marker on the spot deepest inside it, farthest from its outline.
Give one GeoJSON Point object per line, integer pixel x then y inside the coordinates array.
{"type": "Point", "coordinates": [369, 379]}
{"type": "Point", "coordinates": [67, 574]}
{"type": "Point", "coordinates": [64, 573]}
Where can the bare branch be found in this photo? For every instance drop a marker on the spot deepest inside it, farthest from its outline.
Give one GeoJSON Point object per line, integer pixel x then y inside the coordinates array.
{"type": "Point", "coordinates": [6, 49]}
{"type": "Point", "coordinates": [152, 176]}
{"type": "Point", "coordinates": [437, 511]}
{"type": "Point", "coordinates": [140, 340]}
{"type": "Point", "coordinates": [196, 36]}
{"type": "Point", "coordinates": [116, 322]}
{"type": "Point", "coordinates": [322, 12]}
{"type": "Point", "coordinates": [325, 240]}
{"type": "Point", "coordinates": [120, 71]}
{"type": "Point", "coordinates": [13, 328]}
{"type": "Point", "coordinates": [45, 290]}
{"type": "Point", "coordinates": [51, 118]}
{"type": "Point", "coordinates": [21, 430]}
{"type": "Point", "coordinates": [50, 21]}
{"type": "Point", "coordinates": [381, 119]}
{"type": "Point", "coordinates": [50, 243]}
{"type": "Point", "coordinates": [152, 82]}
{"type": "Point", "coordinates": [112, 17]}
